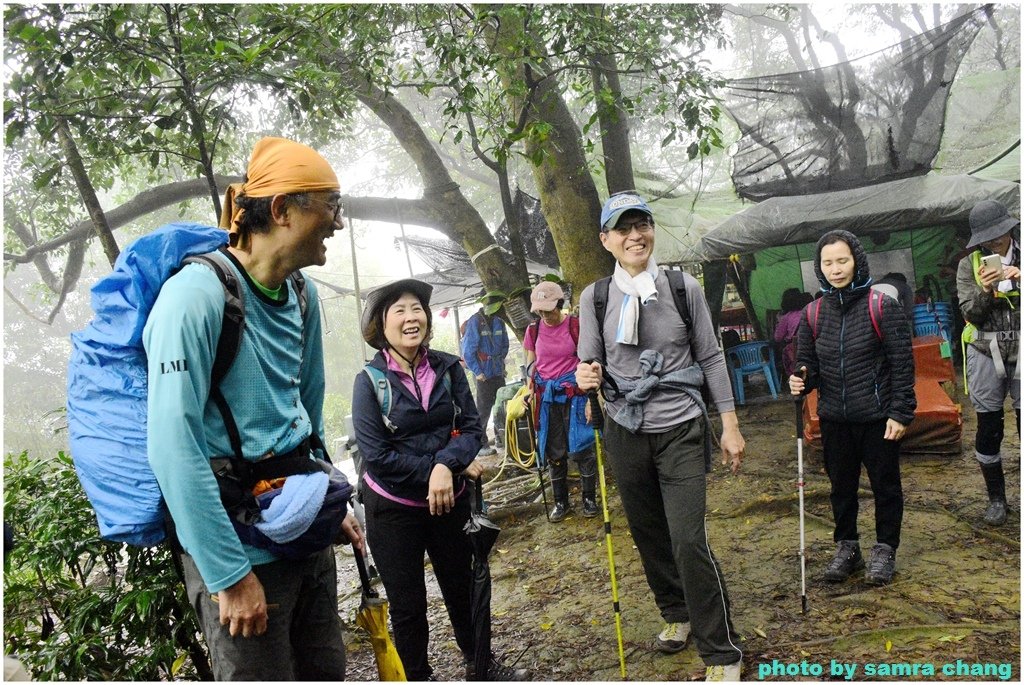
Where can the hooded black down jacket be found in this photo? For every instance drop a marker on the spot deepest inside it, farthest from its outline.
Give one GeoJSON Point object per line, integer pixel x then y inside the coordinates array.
{"type": "Point", "coordinates": [401, 461]}
{"type": "Point", "coordinates": [859, 377]}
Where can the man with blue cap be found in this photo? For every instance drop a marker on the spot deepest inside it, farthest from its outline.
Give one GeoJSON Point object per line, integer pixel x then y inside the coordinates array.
{"type": "Point", "coordinates": [654, 340]}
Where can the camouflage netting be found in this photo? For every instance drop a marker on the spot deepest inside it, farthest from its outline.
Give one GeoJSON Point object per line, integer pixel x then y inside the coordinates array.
{"type": "Point", "coordinates": [870, 120]}
{"type": "Point", "coordinates": [538, 245]}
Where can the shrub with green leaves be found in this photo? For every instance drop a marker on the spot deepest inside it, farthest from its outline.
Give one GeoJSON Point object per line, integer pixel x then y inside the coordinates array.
{"type": "Point", "coordinates": [80, 608]}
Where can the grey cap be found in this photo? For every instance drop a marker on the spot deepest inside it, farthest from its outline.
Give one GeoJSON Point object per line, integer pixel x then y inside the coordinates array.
{"type": "Point", "coordinates": [373, 318]}
{"type": "Point", "coordinates": [990, 220]}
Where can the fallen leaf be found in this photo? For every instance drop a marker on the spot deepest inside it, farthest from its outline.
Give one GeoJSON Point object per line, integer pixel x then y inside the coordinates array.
{"type": "Point", "coordinates": [888, 645]}
{"type": "Point", "coordinates": [760, 632]}
{"type": "Point", "coordinates": [546, 626]}
{"type": "Point", "coordinates": [502, 551]}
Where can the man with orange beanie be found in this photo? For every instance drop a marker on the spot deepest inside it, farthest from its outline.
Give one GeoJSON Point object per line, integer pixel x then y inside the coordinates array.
{"type": "Point", "coordinates": [264, 617]}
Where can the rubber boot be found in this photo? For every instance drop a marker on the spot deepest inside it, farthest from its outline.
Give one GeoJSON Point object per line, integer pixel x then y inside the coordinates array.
{"type": "Point", "coordinates": [560, 489]}
{"type": "Point", "coordinates": [995, 514]}
{"type": "Point", "coordinates": [589, 487]}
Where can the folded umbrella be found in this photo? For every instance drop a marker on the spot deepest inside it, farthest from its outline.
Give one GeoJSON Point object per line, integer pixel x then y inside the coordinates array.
{"type": "Point", "coordinates": [373, 618]}
{"type": "Point", "coordinates": [482, 534]}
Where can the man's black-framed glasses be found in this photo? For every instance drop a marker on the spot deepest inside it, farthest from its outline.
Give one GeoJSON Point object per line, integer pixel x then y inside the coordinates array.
{"type": "Point", "coordinates": [642, 225]}
{"type": "Point", "coordinates": [334, 205]}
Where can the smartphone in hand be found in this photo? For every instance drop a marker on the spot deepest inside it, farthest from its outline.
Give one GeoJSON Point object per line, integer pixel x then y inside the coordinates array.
{"type": "Point", "coordinates": [993, 262]}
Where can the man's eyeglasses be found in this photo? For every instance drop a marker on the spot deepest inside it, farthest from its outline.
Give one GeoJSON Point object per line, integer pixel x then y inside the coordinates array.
{"type": "Point", "coordinates": [624, 228]}
{"type": "Point", "coordinates": [334, 206]}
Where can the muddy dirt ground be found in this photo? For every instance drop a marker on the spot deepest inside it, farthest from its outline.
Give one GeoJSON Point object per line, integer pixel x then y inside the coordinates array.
{"type": "Point", "coordinates": [955, 601]}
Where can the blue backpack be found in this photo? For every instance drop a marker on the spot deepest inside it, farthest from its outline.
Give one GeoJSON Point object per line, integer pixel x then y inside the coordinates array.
{"type": "Point", "coordinates": [107, 377]}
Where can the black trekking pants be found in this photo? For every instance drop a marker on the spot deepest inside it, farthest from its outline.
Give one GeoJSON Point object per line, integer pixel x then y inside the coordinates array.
{"type": "Point", "coordinates": [663, 488]}
{"type": "Point", "coordinates": [399, 534]}
{"type": "Point", "coordinates": [847, 446]}
{"type": "Point", "coordinates": [486, 392]}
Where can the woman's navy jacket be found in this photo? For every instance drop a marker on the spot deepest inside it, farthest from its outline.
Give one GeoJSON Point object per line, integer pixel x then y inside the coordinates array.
{"type": "Point", "coordinates": [401, 461]}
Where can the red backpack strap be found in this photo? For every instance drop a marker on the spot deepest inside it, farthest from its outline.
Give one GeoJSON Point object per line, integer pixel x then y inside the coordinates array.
{"type": "Point", "coordinates": [815, 307]}
{"type": "Point", "coordinates": [533, 330]}
{"type": "Point", "coordinates": [875, 311]}
{"type": "Point", "coordinates": [574, 328]}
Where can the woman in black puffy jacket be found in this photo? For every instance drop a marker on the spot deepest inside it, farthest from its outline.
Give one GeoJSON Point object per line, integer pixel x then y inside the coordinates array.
{"type": "Point", "coordinates": [854, 347]}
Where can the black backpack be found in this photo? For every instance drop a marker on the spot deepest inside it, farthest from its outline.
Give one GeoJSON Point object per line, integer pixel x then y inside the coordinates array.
{"type": "Point", "coordinates": [676, 281]}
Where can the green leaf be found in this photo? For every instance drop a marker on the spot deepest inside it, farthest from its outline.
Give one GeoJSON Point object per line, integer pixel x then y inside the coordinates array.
{"type": "Point", "coordinates": [44, 179]}
{"type": "Point", "coordinates": [29, 33]}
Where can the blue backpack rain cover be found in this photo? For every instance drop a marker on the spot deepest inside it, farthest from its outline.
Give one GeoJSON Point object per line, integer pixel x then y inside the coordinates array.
{"type": "Point", "coordinates": [107, 384]}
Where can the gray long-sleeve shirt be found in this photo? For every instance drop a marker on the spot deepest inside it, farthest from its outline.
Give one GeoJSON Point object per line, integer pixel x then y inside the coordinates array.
{"type": "Point", "coordinates": [662, 329]}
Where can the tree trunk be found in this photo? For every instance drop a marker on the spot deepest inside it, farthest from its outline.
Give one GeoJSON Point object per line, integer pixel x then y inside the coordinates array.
{"type": "Point", "coordinates": [614, 121]}
{"type": "Point", "coordinates": [85, 189]}
{"type": "Point", "coordinates": [568, 195]}
{"type": "Point", "coordinates": [442, 198]}
{"type": "Point", "coordinates": [739, 277]}
{"type": "Point", "coordinates": [188, 99]}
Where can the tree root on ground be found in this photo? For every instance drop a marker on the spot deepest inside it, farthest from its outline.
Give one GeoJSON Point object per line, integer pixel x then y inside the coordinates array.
{"type": "Point", "coordinates": [1007, 626]}
{"type": "Point", "coordinates": [885, 604]}
{"type": "Point", "coordinates": [959, 518]}
{"type": "Point", "coordinates": [775, 503]}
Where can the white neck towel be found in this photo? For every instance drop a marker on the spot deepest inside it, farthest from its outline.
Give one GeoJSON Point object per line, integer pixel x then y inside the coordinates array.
{"type": "Point", "coordinates": [637, 290]}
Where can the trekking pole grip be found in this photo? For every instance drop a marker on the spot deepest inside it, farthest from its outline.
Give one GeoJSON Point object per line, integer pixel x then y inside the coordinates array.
{"type": "Point", "coordinates": [800, 403]}
{"type": "Point", "coordinates": [596, 417]}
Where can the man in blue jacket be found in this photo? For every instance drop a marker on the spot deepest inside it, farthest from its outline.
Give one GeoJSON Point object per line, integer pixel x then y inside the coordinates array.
{"type": "Point", "coordinates": [484, 348]}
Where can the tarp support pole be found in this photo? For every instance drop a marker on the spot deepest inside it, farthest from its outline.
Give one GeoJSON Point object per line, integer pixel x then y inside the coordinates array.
{"type": "Point", "coordinates": [355, 279]}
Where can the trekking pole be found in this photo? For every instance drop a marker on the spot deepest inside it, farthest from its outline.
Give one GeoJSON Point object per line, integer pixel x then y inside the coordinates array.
{"type": "Point", "coordinates": [540, 459]}
{"type": "Point", "coordinates": [800, 489]}
{"type": "Point", "coordinates": [597, 419]}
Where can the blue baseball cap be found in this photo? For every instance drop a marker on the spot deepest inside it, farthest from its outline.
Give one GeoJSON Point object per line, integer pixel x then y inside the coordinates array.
{"type": "Point", "coordinates": [619, 204]}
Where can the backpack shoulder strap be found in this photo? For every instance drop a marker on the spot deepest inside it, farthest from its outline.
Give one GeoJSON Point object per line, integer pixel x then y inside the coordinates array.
{"type": "Point", "coordinates": [574, 329]}
{"type": "Point", "coordinates": [677, 281]}
{"type": "Point", "coordinates": [446, 380]}
{"type": "Point", "coordinates": [234, 315]}
{"type": "Point", "coordinates": [229, 342]}
{"type": "Point", "coordinates": [875, 311]}
{"type": "Point", "coordinates": [382, 387]}
{"type": "Point", "coordinates": [535, 328]}
{"type": "Point", "coordinates": [812, 311]}
{"type": "Point", "coordinates": [299, 284]}
{"type": "Point", "coordinates": [601, 305]}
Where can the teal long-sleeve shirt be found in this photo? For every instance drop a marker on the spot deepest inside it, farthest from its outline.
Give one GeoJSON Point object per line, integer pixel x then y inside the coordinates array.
{"type": "Point", "coordinates": [275, 389]}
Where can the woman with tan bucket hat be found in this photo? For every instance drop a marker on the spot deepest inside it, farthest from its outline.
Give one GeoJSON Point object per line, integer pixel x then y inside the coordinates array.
{"type": "Point", "coordinates": [420, 452]}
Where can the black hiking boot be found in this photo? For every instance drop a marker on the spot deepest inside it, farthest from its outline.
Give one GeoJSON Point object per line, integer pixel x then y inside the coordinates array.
{"type": "Point", "coordinates": [590, 509]}
{"type": "Point", "coordinates": [847, 559]}
{"type": "Point", "coordinates": [881, 565]}
{"type": "Point", "coordinates": [497, 672]}
{"type": "Point", "coordinates": [995, 483]}
{"type": "Point", "coordinates": [560, 511]}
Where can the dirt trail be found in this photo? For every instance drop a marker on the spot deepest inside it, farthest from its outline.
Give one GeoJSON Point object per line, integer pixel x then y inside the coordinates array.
{"type": "Point", "coordinates": [956, 595]}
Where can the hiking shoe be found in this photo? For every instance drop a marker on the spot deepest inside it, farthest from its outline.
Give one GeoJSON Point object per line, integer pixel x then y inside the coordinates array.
{"type": "Point", "coordinates": [730, 673]}
{"type": "Point", "coordinates": [590, 509]}
{"type": "Point", "coordinates": [846, 560]}
{"type": "Point", "coordinates": [995, 514]}
{"type": "Point", "coordinates": [673, 638]}
{"type": "Point", "coordinates": [881, 565]}
{"type": "Point", "coordinates": [498, 672]}
{"type": "Point", "coordinates": [559, 513]}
